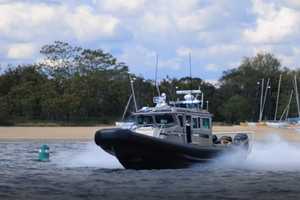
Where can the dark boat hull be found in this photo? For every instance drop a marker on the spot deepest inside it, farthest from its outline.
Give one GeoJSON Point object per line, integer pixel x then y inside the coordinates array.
{"type": "Point", "coordinates": [137, 151]}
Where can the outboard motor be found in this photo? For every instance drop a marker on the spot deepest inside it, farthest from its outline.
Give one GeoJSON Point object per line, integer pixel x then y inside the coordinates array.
{"type": "Point", "coordinates": [241, 139]}
{"type": "Point", "coordinates": [226, 139]}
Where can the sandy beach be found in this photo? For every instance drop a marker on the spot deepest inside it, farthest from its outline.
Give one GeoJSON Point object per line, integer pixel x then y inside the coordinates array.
{"type": "Point", "coordinates": [7, 133]}
{"type": "Point", "coordinates": [14, 133]}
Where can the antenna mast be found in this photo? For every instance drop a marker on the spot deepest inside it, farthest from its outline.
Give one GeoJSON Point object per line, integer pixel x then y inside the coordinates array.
{"type": "Point", "coordinates": [156, 69]}
{"type": "Point", "coordinates": [190, 65]}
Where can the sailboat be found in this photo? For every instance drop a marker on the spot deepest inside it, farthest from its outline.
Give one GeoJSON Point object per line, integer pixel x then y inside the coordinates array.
{"type": "Point", "coordinates": [284, 121]}
{"type": "Point", "coordinates": [279, 123]}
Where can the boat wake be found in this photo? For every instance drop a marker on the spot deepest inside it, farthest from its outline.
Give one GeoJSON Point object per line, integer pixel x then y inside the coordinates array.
{"type": "Point", "coordinates": [276, 154]}
{"type": "Point", "coordinates": [90, 156]}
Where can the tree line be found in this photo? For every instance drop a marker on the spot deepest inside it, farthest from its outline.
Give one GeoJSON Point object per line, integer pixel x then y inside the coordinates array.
{"type": "Point", "coordinates": [74, 85]}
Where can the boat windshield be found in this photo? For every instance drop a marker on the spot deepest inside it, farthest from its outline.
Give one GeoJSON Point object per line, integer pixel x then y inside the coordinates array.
{"type": "Point", "coordinates": [164, 119]}
{"type": "Point", "coordinates": [187, 105]}
{"type": "Point", "coordinates": [144, 120]}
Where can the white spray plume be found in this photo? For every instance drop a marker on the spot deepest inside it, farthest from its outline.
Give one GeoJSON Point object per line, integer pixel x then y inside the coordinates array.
{"type": "Point", "coordinates": [274, 154]}
{"type": "Point", "coordinates": [91, 156]}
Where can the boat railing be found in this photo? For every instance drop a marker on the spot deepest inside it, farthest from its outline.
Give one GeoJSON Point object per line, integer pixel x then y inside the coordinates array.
{"type": "Point", "coordinates": [233, 133]}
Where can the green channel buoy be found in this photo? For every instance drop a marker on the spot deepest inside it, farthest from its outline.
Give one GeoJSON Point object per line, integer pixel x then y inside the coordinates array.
{"type": "Point", "coordinates": [44, 153]}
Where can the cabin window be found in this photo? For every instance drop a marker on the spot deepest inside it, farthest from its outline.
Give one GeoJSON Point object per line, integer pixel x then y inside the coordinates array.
{"type": "Point", "coordinates": [164, 119]}
{"type": "Point", "coordinates": [144, 119]}
{"type": "Point", "coordinates": [195, 123]}
{"type": "Point", "coordinates": [180, 118]}
{"type": "Point", "coordinates": [206, 123]}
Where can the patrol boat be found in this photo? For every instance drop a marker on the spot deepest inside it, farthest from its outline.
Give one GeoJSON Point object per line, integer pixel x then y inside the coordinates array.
{"type": "Point", "coordinates": [170, 135]}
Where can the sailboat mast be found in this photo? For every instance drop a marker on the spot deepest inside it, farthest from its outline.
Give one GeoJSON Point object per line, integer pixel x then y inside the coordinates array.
{"type": "Point", "coordinates": [277, 99]}
{"type": "Point", "coordinates": [288, 106]}
{"type": "Point", "coordinates": [297, 95]}
{"type": "Point", "coordinates": [265, 97]}
{"type": "Point", "coordinates": [133, 94]}
{"type": "Point", "coordinates": [126, 108]}
{"type": "Point", "coordinates": [261, 99]}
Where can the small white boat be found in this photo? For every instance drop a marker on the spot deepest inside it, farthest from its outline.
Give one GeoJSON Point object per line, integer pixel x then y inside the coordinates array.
{"type": "Point", "coordinates": [277, 124]}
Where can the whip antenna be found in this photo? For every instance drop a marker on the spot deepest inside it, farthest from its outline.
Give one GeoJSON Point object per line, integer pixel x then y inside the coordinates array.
{"type": "Point", "coordinates": [156, 69]}
{"type": "Point", "coordinates": [190, 65]}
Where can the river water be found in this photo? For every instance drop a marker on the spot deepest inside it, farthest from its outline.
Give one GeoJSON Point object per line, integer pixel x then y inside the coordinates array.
{"type": "Point", "coordinates": [80, 170]}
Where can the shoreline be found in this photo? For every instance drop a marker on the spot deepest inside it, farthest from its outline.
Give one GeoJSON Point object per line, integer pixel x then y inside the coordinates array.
{"type": "Point", "coordinates": [59, 132]}
{"type": "Point", "coordinates": [258, 133]}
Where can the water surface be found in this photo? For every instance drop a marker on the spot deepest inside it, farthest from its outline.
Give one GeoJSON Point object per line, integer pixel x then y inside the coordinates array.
{"type": "Point", "coordinates": [80, 170]}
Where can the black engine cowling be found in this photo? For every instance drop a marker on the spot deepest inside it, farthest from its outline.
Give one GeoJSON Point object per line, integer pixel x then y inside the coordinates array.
{"type": "Point", "coordinates": [241, 139]}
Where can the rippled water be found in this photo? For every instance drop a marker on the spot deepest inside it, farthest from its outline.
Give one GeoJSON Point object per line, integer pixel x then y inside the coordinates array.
{"type": "Point", "coordinates": [80, 170]}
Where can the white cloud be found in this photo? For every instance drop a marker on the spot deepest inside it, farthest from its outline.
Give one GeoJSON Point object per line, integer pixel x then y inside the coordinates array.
{"type": "Point", "coordinates": [183, 51]}
{"type": "Point", "coordinates": [139, 57]}
{"type": "Point", "coordinates": [36, 21]}
{"type": "Point", "coordinates": [171, 64]}
{"type": "Point", "coordinates": [221, 49]}
{"type": "Point", "coordinates": [212, 67]}
{"type": "Point", "coordinates": [90, 26]}
{"type": "Point", "coordinates": [192, 22]}
{"type": "Point", "coordinates": [262, 49]}
{"type": "Point", "coordinates": [218, 34]}
{"type": "Point", "coordinates": [200, 19]}
{"type": "Point", "coordinates": [21, 51]}
{"type": "Point", "coordinates": [153, 23]}
{"type": "Point", "coordinates": [218, 50]}
{"type": "Point", "coordinates": [273, 24]}
{"type": "Point", "coordinates": [290, 3]}
{"type": "Point", "coordinates": [291, 60]}
{"type": "Point", "coordinates": [22, 21]}
{"type": "Point", "coordinates": [120, 5]}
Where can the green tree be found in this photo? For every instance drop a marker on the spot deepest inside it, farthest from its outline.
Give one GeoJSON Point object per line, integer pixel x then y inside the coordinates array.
{"type": "Point", "coordinates": [5, 116]}
{"type": "Point", "coordinates": [244, 81]}
{"type": "Point", "coordinates": [73, 84]}
{"type": "Point", "coordinates": [235, 109]}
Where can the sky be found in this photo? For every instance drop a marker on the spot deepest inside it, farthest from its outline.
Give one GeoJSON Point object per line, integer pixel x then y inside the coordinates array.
{"type": "Point", "coordinates": [217, 33]}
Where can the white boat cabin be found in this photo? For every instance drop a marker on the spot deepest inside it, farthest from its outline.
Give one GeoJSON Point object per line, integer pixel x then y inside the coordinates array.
{"type": "Point", "coordinates": [182, 121]}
